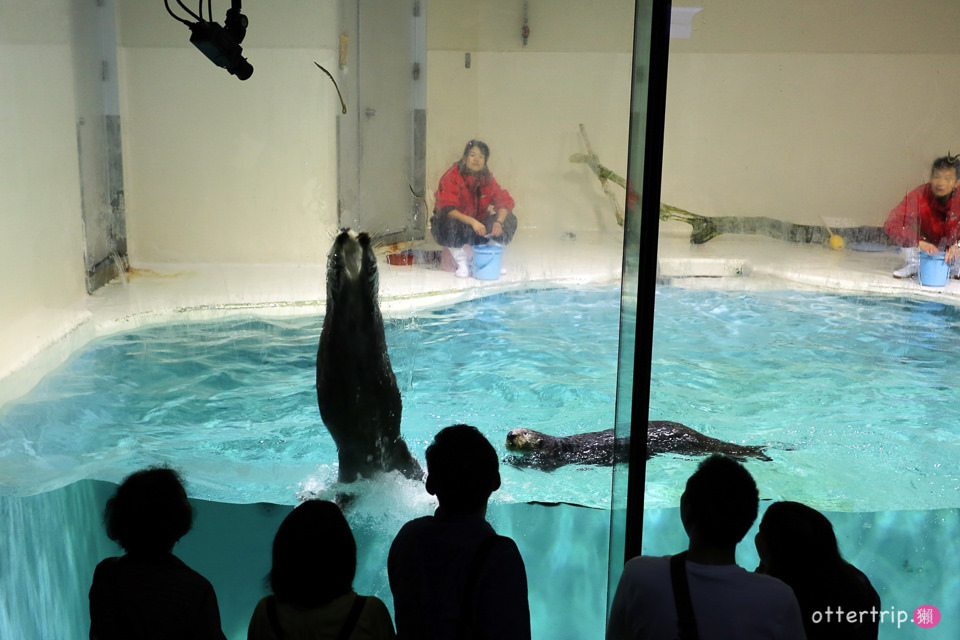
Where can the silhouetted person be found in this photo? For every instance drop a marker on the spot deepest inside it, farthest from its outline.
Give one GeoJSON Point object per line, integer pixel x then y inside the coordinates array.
{"type": "Point", "coordinates": [149, 593]}
{"type": "Point", "coordinates": [314, 563]}
{"type": "Point", "coordinates": [451, 575]}
{"type": "Point", "coordinates": [797, 545]}
{"type": "Point", "coordinates": [703, 587]}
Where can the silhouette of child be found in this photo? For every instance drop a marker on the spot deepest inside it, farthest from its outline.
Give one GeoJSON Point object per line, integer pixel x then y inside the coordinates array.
{"type": "Point", "coordinates": [149, 593]}
{"type": "Point", "coordinates": [797, 545]}
{"type": "Point", "coordinates": [314, 563]}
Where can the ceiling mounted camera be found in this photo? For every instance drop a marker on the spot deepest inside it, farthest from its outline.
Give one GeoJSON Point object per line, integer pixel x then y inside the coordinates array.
{"type": "Point", "coordinates": [221, 44]}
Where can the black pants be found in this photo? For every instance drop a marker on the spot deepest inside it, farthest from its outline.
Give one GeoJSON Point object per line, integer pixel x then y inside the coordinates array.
{"type": "Point", "coordinates": [453, 233]}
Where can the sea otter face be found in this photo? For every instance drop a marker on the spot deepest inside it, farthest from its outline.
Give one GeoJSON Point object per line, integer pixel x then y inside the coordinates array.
{"type": "Point", "coordinates": [522, 440]}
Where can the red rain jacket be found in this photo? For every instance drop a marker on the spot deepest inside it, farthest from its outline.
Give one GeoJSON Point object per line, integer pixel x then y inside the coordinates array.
{"type": "Point", "coordinates": [921, 217]}
{"type": "Point", "coordinates": [471, 195]}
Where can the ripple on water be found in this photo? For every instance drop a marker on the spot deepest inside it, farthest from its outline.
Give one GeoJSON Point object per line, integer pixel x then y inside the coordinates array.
{"type": "Point", "coordinates": [854, 395]}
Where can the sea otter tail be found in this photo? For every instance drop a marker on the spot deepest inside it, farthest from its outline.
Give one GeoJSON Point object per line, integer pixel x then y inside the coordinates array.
{"type": "Point", "coordinates": [666, 436]}
{"type": "Point", "coordinates": [742, 452]}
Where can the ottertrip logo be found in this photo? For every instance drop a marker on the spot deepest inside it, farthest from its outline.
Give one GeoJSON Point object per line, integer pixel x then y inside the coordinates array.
{"type": "Point", "coordinates": [925, 616]}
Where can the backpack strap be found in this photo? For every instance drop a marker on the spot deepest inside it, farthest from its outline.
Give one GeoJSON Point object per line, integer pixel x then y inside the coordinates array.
{"type": "Point", "coordinates": [681, 596]}
{"type": "Point", "coordinates": [347, 629]}
{"type": "Point", "coordinates": [465, 627]}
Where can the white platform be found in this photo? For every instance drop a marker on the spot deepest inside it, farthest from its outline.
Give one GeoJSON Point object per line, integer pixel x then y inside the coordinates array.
{"type": "Point", "coordinates": [167, 292]}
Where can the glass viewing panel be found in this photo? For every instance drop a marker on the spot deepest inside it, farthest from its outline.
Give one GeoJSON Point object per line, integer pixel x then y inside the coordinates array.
{"type": "Point", "coordinates": [223, 195]}
{"type": "Point", "coordinates": [793, 134]}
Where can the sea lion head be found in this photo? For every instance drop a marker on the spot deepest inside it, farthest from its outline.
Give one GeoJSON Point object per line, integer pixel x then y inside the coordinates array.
{"type": "Point", "coordinates": [352, 267]}
{"type": "Point", "coordinates": [521, 440]}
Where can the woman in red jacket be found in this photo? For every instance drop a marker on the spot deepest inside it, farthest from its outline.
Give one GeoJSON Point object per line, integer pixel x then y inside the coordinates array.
{"type": "Point", "coordinates": [471, 208]}
{"type": "Point", "coordinates": [928, 218]}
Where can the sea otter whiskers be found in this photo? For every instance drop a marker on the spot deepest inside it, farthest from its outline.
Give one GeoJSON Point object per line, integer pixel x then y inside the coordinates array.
{"type": "Point", "coordinates": [547, 452]}
{"type": "Point", "coordinates": [356, 389]}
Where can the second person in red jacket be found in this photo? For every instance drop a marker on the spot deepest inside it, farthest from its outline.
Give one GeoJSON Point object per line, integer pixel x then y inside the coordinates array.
{"type": "Point", "coordinates": [928, 218]}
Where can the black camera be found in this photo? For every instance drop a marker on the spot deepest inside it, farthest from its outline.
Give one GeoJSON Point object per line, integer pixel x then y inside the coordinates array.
{"type": "Point", "coordinates": [222, 44]}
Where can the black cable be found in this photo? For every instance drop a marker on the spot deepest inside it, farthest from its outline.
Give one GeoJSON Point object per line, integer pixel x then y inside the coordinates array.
{"type": "Point", "coordinates": [175, 16]}
{"type": "Point", "coordinates": [184, 7]}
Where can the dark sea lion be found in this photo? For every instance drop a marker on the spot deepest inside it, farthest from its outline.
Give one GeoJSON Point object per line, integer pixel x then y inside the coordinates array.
{"type": "Point", "coordinates": [545, 452]}
{"type": "Point", "coordinates": [356, 389]}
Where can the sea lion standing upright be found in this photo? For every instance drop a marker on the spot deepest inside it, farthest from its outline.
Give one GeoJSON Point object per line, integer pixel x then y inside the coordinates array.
{"type": "Point", "coordinates": [548, 452]}
{"type": "Point", "coordinates": [356, 388]}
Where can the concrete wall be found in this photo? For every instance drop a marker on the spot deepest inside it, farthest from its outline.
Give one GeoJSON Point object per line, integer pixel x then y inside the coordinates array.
{"type": "Point", "coordinates": [528, 102]}
{"type": "Point", "coordinates": [793, 111]}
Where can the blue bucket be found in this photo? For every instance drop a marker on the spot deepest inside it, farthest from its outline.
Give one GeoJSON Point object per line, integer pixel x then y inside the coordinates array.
{"type": "Point", "coordinates": [486, 261]}
{"type": "Point", "coordinates": [934, 270]}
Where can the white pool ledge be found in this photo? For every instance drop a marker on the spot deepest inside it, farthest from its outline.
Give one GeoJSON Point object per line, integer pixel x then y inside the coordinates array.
{"type": "Point", "coordinates": [158, 293]}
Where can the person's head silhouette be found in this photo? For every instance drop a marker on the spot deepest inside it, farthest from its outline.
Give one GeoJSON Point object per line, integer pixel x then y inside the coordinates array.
{"type": "Point", "coordinates": [149, 512]}
{"type": "Point", "coordinates": [314, 555]}
{"type": "Point", "coordinates": [462, 469]}
{"type": "Point", "coordinates": [720, 503]}
{"type": "Point", "coordinates": [794, 539]}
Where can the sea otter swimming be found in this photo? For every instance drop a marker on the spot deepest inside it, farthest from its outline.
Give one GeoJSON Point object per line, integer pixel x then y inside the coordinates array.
{"type": "Point", "coordinates": [356, 389]}
{"type": "Point", "coordinates": [547, 452]}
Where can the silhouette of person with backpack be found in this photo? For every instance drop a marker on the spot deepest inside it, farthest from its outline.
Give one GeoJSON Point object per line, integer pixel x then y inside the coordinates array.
{"type": "Point", "coordinates": [314, 563]}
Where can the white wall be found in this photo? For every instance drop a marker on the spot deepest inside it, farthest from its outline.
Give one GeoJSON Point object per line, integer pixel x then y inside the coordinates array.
{"type": "Point", "coordinates": [41, 247]}
{"type": "Point", "coordinates": [797, 110]}
{"type": "Point", "coordinates": [222, 170]}
{"type": "Point", "coordinates": [793, 111]}
{"type": "Point", "coordinates": [527, 103]}
{"type": "Point", "coordinates": [529, 110]}
{"type": "Point", "coordinates": [219, 170]}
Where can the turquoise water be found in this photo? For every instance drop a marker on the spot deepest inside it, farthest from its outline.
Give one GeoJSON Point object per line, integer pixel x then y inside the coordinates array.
{"type": "Point", "coordinates": [857, 394]}
{"type": "Point", "coordinates": [853, 395]}
{"type": "Point", "coordinates": [241, 392]}
{"type": "Point", "coordinates": [854, 392]}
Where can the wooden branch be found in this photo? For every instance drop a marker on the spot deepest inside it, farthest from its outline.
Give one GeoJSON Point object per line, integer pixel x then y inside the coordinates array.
{"type": "Point", "coordinates": [602, 173]}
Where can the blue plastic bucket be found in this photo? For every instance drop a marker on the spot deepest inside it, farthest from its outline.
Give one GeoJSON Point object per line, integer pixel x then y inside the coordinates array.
{"type": "Point", "coordinates": [934, 270]}
{"type": "Point", "coordinates": [486, 261]}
